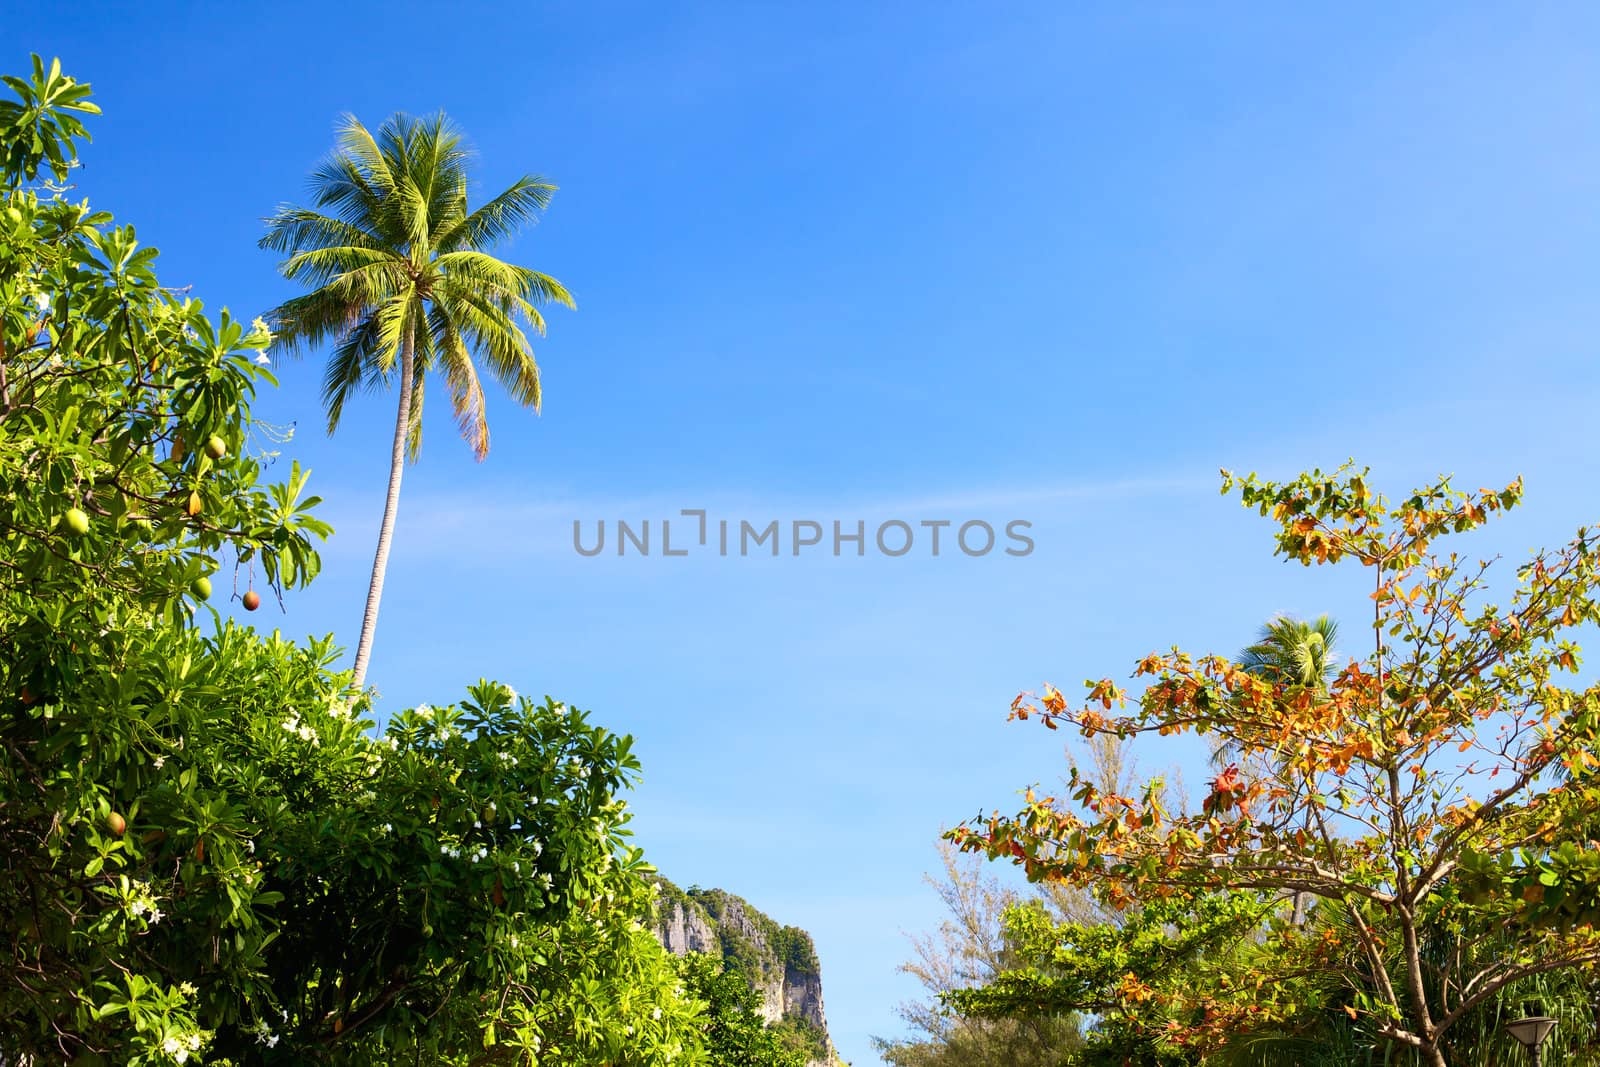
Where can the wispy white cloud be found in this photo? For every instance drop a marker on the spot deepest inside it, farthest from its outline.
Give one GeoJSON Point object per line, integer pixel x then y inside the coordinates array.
{"type": "Point", "coordinates": [504, 521]}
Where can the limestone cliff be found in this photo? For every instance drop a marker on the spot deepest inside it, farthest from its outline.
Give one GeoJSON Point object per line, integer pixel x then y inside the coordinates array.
{"type": "Point", "coordinates": [779, 961]}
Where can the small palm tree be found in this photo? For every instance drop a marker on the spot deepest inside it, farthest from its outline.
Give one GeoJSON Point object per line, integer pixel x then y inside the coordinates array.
{"type": "Point", "coordinates": [402, 284]}
{"type": "Point", "coordinates": [1290, 651]}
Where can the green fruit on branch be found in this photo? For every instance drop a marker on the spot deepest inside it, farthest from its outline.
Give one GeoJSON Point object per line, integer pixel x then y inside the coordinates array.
{"type": "Point", "coordinates": [216, 447]}
{"type": "Point", "coordinates": [252, 600]}
{"type": "Point", "coordinates": [76, 521]}
{"type": "Point", "coordinates": [201, 588]}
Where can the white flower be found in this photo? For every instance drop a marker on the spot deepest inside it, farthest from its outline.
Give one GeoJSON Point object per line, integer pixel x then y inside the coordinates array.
{"type": "Point", "coordinates": [423, 712]}
{"type": "Point", "coordinates": [250, 847]}
{"type": "Point", "coordinates": [194, 1042]}
{"type": "Point", "coordinates": [264, 359]}
{"type": "Point", "coordinates": [538, 848]}
{"type": "Point", "coordinates": [155, 915]}
{"type": "Point", "coordinates": [160, 762]}
{"type": "Point", "coordinates": [476, 825]}
{"type": "Point", "coordinates": [511, 694]}
{"type": "Point", "coordinates": [655, 1014]}
{"type": "Point", "coordinates": [43, 300]}
{"type": "Point", "coordinates": [388, 828]}
{"type": "Point", "coordinates": [307, 733]}
{"type": "Point", "coordinates": [171, 1047]}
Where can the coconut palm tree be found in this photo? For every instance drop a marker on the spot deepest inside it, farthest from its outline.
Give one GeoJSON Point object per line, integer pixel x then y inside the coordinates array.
{"type": "Point", "coordinates": [402, 285]}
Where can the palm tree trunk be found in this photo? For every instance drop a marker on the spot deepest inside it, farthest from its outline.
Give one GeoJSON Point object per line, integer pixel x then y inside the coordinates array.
{"type": "Point", "coordinates": [397, 466]}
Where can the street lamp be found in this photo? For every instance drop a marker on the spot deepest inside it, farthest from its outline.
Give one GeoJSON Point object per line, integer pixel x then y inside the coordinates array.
{"type": "Point", "coordinates": [1531, 1031]}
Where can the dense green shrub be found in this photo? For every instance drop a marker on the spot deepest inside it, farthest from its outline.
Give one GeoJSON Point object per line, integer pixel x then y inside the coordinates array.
{"type": "Point", "coordinates": [206, 851]}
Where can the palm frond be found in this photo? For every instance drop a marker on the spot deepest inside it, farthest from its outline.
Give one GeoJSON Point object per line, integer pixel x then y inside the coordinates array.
{"type": "Point", "coordinates": [320, 266]}
{"type": "Point", "coordinates": [424, 357]}
{"type": "Point", "coordinates": [390, 250]}
{"type": "Point", "coordinates": [341, 183]}
{"type": "Point", "coordinates": [489, 328]}
{"type": "Point", "coordinates": [350, 367]}
{"type": "Point", "coordinates": [501, 218]}
{"type": "Point", "coordinates": [305, 322]}
{"type": "Point", "coordinates": [291, 229]}
{"type": "Point", "coordinates": [466, 391]}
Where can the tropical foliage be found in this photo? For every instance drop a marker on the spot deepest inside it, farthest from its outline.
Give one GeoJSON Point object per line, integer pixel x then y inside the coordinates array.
{"type": "Point", "coordinates": [206, 851]}
{"type": "Point", "coordinates": [1436, 800]}
{"type": "Point", "coordinates": [736, 1034]}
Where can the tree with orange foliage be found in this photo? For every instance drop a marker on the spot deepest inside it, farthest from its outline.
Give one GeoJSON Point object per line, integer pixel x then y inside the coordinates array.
{"type": "Point", "coordinates": [1442, 782]}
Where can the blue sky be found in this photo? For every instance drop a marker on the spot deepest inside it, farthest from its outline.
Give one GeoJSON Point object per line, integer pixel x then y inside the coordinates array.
{"type": "Point", "coordinates": [1040, 262]}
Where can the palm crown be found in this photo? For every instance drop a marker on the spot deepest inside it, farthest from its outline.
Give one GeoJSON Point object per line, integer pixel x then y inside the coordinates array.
{"type": "Point", "coordinates": [397, 263]}
{"type": "Point", "coordinates": [1290, 651]}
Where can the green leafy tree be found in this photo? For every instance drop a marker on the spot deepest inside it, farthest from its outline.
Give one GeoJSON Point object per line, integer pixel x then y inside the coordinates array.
{"type": "Point", "coordinates": [404, 285]}
{"type": "Point", "coordinates": [1418, 792]}
{"type": "Point", "coordinates": [206, 853]}
{"type": "Point", "coordinates": [736, 1034]}
{"type": "Point", "coordinates": [1121, 972]}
